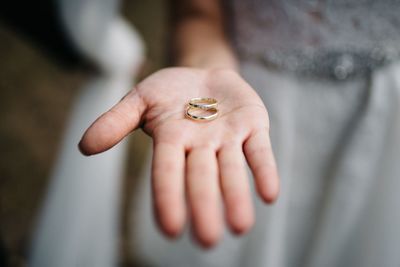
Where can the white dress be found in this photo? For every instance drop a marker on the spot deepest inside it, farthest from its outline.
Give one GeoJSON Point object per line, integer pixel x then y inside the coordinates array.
{"type": "Point", "coordinates": [328, 73]}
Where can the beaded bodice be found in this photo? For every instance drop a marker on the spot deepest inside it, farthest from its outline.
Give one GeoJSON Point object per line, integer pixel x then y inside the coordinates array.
{"type": "Point", "coordinates": [338, 38]}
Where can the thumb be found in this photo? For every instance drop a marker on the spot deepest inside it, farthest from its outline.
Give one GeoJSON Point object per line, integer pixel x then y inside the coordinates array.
{"type": "Point", "coordinates": [111, 127]}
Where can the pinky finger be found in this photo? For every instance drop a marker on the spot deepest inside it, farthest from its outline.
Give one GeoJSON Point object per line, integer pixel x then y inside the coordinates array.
{"type": "Point", "coordinates": [259, 155]}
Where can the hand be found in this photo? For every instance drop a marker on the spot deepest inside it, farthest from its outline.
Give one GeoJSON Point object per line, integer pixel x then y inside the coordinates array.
{"type": "Point", "coordinates": [196, 162]}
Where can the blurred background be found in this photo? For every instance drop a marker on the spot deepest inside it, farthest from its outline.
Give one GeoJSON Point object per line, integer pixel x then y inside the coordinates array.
{"type": "Point", "coordinates": [36, 94]}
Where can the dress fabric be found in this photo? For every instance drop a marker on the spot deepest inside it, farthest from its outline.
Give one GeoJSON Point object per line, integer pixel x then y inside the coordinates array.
{"type": "Point", "coordinates": [336, 137]}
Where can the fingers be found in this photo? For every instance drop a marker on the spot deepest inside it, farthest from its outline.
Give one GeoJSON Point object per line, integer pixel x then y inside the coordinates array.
{"type": "Point", "coordinates": [203, 195]}
{"type": "Point", "coordinates": [168, 187]}
{"type": "Point", "coordinates": [235, 188]}
{"type": "Point", "coordinates": [113, 126]}
{"type": "Point", "coordinates": [261, 160]}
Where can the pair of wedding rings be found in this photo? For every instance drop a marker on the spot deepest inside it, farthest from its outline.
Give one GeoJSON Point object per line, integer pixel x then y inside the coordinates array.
{"type": "Point", "coordinates": [199, 105]}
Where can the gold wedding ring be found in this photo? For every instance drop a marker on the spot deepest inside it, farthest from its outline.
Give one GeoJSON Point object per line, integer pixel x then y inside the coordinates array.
{"type": "Point", "coordinates": [203, 102]}
{"type": "Point", "coordinates": [199, 106]}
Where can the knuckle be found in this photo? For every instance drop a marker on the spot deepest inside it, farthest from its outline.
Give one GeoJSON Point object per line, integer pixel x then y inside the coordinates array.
{"type": "Point", "coordinates": [235, 197]}
{"type": "Point", "coordinates": [117, 116]}
{"type": "Point", "coordinates": [203, 196]}
{"type": "Point", "coordinates": [161, 188]}
{"type": "Point", "coordinates": [259, 150]}
{"type": "Point", "coordinates": [166, 168]}
{"type": "Point", "coordinates": [264, 168]}
{"type": "Point", "coordinates": [230, 166]}
{"type": "Point", "coordinates": [204, 146]}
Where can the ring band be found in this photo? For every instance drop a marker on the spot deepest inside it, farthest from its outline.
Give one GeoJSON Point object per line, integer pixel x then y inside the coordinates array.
{"type": "Point", "coordinates": [203, 103]}
{"type": "Point", "coordinates": [211, 117]}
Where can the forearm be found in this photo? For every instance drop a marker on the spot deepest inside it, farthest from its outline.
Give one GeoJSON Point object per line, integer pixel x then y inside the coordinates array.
{"type": "Point", "coordinates": [199, 38]}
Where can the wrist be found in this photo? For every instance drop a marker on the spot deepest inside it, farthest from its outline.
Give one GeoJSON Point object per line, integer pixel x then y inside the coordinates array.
{"type": "Point", "coordinates": [218, 55]}
{"type": "Point", "coordinates": [211, 59]}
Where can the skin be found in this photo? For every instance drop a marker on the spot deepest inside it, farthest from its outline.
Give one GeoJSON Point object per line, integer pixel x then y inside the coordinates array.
{"type": "Point", "coordinates": [197, 164]}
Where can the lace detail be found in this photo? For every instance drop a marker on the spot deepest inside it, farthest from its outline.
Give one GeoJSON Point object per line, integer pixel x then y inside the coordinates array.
{"type": "Point", "coordinates": [338, 38]}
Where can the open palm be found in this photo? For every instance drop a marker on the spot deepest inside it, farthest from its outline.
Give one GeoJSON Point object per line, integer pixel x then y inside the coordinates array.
{"type": "Point", "coordinates": [196, 162]}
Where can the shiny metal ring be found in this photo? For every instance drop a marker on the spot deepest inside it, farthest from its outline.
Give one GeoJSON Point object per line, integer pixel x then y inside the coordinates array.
{"type": "Point", "coordinates": [210, 117]}
{"type": "Point", "coordinates": [203, 102]}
